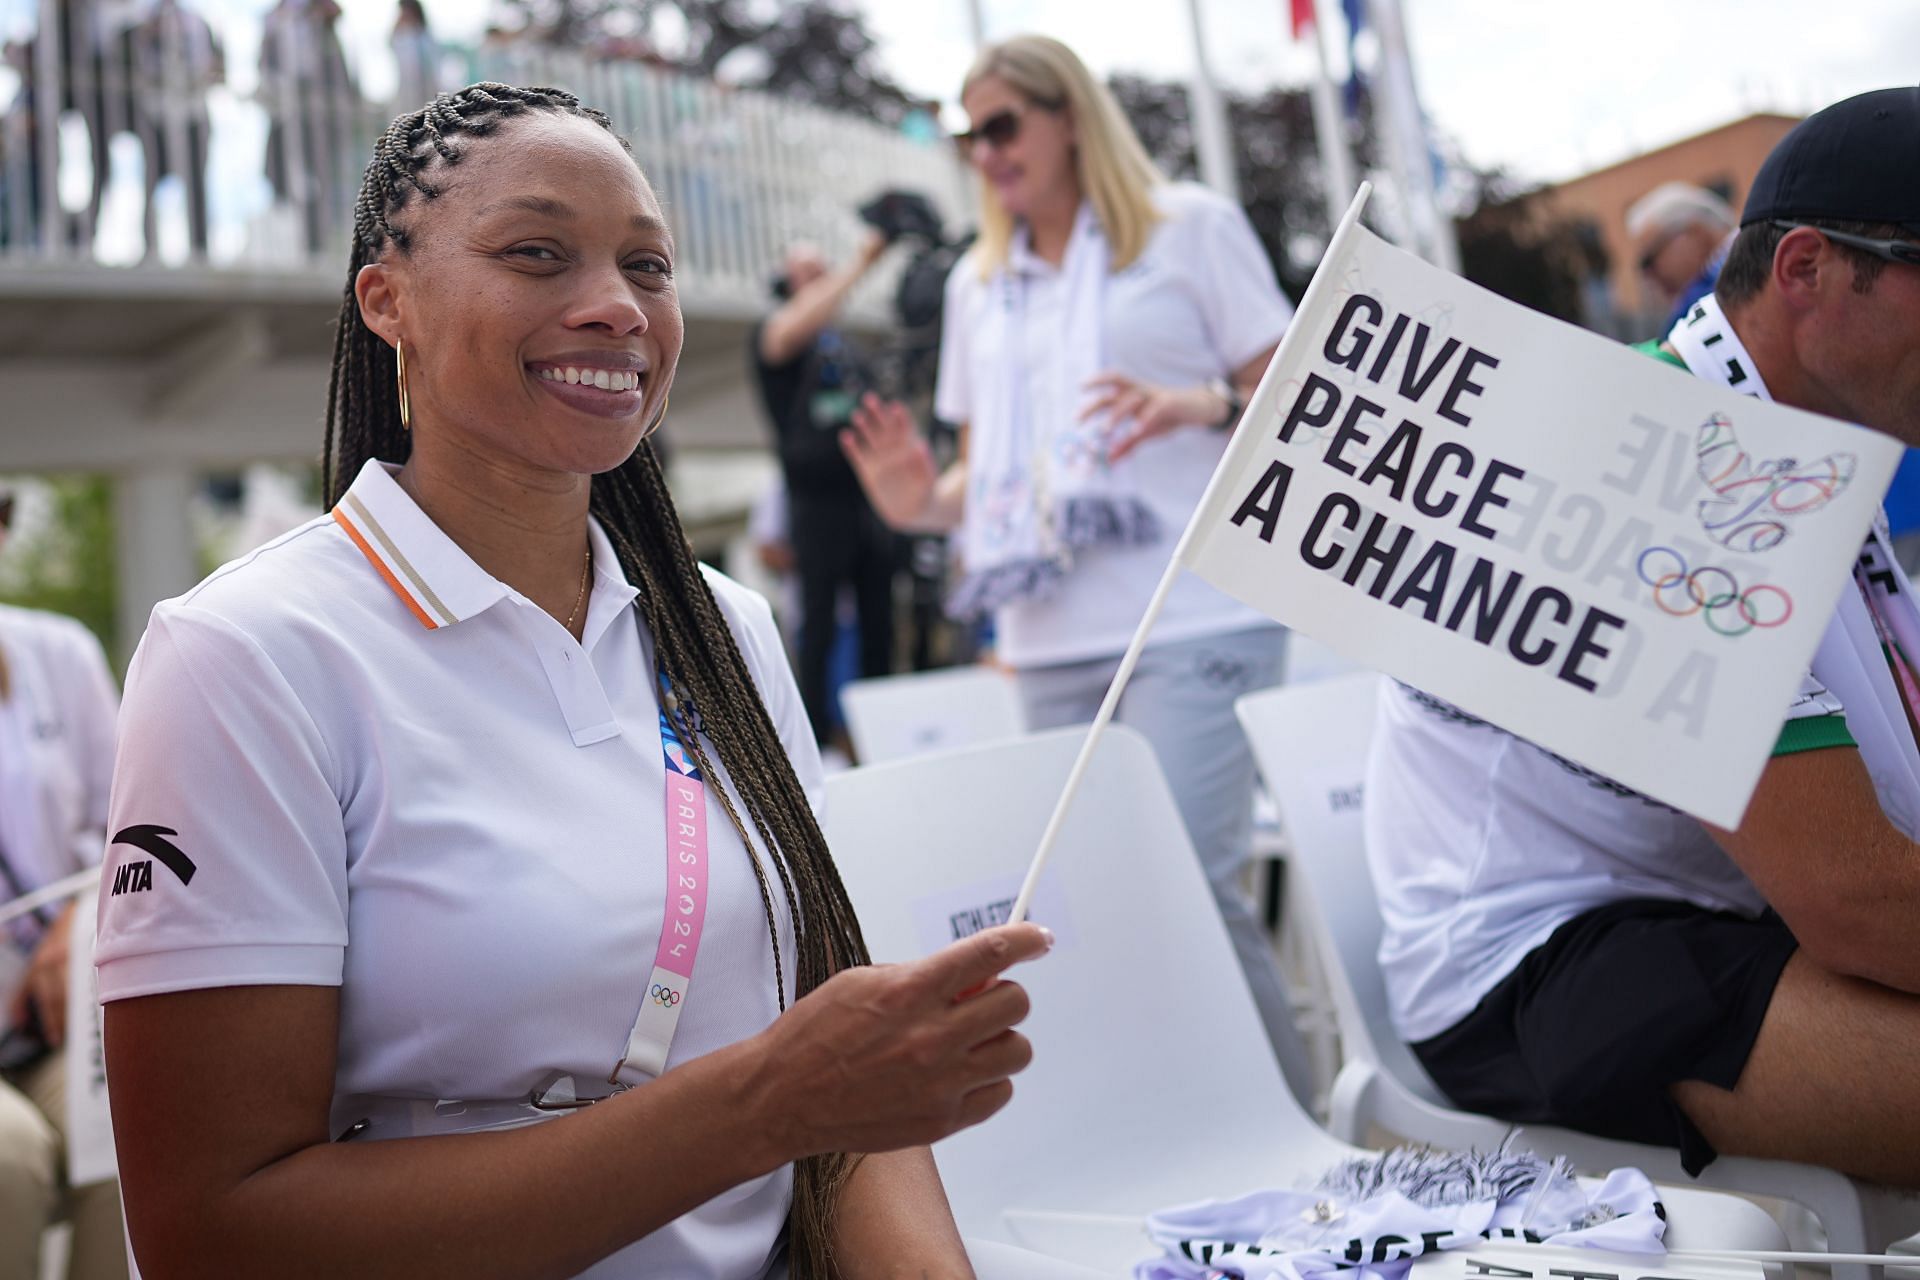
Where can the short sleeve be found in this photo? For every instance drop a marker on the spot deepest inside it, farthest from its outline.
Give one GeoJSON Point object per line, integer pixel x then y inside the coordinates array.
{"type": "Point", "coordinates": [952, 387]}
{"type": "Point", "coordinates": [227, 865]}
{"type": "Point", "coordinates": [1233, 278]}
{"type": "Point", "coordinates": [1815, 719]}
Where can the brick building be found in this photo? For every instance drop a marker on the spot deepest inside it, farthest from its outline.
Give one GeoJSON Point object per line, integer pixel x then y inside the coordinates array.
{"type": "Point", "coordinates": [1723, 160]}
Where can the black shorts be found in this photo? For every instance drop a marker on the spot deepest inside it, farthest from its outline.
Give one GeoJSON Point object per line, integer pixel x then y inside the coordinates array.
{"type": "Point", "coordinates": [1597, 1022]}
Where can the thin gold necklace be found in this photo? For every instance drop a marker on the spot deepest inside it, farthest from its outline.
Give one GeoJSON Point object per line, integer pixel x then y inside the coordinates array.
{"type": "Point", "coordinates": [586, 569]}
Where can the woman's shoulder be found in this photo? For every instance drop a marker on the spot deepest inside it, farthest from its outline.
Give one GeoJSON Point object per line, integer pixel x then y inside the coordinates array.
{"type": "Point", "coordinates": [963, 281]}
{"type": "Point", "coordinates": [300, 580]}
{"type": "Point", "coordinates": [1183, 204]}
{"type": "Point", "coordinates": [46, 632]}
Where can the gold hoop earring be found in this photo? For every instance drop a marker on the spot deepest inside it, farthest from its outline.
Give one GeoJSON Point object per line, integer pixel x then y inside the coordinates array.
{"type": "Point", "coordinates": [658, 418]}
{"type": "Point", "coordinates": [400, 363]}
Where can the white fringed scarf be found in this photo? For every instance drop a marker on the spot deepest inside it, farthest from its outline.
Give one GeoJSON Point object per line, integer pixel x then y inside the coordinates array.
{"type": "Point", "coordinates": [1039, 486]}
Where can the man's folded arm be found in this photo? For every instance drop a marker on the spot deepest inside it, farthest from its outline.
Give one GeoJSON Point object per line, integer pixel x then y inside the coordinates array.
{"type": "Point", "coordinates": [1817, 845]}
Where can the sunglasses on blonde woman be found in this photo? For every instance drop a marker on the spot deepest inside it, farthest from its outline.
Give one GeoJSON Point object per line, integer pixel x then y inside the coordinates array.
{"type": "Point", "coordinates": [999, 129]}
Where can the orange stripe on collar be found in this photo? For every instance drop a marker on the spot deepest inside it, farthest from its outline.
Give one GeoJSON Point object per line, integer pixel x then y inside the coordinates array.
{"type": "Point", "coordinates": [373, 558]}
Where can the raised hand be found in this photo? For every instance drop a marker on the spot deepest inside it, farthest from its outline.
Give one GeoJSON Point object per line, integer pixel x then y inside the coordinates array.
{"type": "Point", "coordinates": [892, 459]}
{"type": "Point", "coordinates": [890, 1056]}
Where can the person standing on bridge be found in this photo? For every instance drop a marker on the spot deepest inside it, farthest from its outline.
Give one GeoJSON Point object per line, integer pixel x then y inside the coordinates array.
{"type": "Point", "coordinates": [454, 784]}
{"type": "Point", "coordinates": [57, 708]}
{"type": "Point", "coordinates": [811, 376]}
{"type": "Point", "coordinates": [1098, 343]}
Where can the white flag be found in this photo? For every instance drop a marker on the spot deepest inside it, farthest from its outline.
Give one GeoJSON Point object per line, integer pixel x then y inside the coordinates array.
{"type": "Point", "coordinates": [1576, 542]}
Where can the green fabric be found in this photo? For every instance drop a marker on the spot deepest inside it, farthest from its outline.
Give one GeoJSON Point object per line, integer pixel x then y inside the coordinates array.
{"type": "Point", "coordinates": [1652, 347]}
{"type": "Point", "coordinates": [1811, 733]}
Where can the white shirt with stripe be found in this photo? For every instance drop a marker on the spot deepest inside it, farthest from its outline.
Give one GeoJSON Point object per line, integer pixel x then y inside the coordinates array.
{"type": "Point", "coordinates": [394, 774]}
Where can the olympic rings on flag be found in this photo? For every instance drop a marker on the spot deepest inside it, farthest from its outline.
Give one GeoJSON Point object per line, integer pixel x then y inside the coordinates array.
{"type": "Point", "coordinates": [664, 996]}
{"type": "Point", "coordinates": [1681, 591]}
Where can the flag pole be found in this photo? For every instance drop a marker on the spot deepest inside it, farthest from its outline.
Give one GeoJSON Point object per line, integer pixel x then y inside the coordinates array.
{"type": "Point", "coordinates": [1336, 159]}
{"type": "Point", "coordinates": [48, 895]}
{"type": "Point", "coordinates": [1244, 440]}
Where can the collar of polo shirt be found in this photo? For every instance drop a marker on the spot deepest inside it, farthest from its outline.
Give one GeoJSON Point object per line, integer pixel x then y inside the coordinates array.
{"type": "Point", "coordinates": [438, 582]}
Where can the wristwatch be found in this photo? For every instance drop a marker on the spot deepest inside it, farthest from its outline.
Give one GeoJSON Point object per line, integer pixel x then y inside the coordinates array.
{"type": "Point", "coordinates": [1235, 405]}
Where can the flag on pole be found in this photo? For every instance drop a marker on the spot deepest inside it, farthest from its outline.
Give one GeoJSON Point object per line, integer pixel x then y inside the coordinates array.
{"type": "Point", "coordinates": [1301, 12]}
{"type": "Point", "coordinates": [1624, 564]}
{"type": "Point", "coordinates": [1355, 12]}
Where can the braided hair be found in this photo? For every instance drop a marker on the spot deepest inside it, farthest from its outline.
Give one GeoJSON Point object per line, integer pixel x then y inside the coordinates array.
{"type": "Point", "coordinates": [694, 646]}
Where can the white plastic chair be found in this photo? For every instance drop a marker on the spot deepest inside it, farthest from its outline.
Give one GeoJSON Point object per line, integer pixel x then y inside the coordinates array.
{"type": "Point", "coordinates": [894, 717]}
{"type": "Point", "coordinates": [1311, 745]}
{"type": "Point", "coordinates": [1153, 1083]}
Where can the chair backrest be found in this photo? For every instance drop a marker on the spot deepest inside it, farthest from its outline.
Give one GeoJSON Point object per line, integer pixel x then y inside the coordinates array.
{"type": "Point", "coordinates": [1153, 1082]}
{"type": "Point", "coordinates": [1310, 742]}
{"type": "Point", "coordinates": [895, 717]}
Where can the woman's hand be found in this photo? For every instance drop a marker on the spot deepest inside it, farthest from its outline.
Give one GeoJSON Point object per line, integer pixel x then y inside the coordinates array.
{"type": "Point", "coordinates": [46, 980]}
{"type": "Point", "coordinates": [890, 1056]}
{"type": "Point", "coordinates": [1139, 411]}
{"type": "Point", "coordinates": [892, 459]}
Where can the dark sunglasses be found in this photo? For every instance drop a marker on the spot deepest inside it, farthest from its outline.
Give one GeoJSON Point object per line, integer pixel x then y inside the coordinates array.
{"type": "Point", "coordinates": [1652, 255]}
{"type": "Point", "coordinates": [1000, 128]}
{"type": "Point", "coordinates": [997, 130]}
{"type": "Point", "coordinates": [1892, 250]}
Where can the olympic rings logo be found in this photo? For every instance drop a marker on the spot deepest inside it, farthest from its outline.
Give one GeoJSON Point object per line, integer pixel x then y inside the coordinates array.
{"type": "Point", "coordinates": [1711, 591]}
{"type": "Point", "coordinates": [664, 996]}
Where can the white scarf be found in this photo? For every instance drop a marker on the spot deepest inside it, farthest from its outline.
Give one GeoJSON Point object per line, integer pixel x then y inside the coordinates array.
{"type": "Point", "coordinates": [1039, 485]}
{"type": "Point", "coordinates": [1370, 1219]}
{"type": "Point", "coordinates": [1851, 661]}
{"type": "Point", "coordinates": [1705, 339]}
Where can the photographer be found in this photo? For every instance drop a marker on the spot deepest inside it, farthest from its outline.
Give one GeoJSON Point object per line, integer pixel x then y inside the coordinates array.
{"type": "Point", "coordinates": [810, 379]}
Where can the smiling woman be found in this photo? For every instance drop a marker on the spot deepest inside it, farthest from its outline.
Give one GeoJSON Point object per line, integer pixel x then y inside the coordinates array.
{"type": "Point", "coordinates": [472, 770]}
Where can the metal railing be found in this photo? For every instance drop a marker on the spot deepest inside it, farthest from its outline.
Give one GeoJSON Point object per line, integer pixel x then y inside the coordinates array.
{"type": "Point", "coordinates": [741, 174]}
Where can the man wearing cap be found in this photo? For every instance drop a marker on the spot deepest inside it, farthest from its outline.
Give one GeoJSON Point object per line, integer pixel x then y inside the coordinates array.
{"type": "Point", "coordinates": [1560, 949]}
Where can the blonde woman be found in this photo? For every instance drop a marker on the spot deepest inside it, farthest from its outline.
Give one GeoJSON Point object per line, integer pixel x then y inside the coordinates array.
{"type": "Point", "coordinates": [1100, 339]}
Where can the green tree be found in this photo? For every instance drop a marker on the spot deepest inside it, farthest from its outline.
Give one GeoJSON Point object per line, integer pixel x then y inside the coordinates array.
{"type": "Point", "coordinates": [1276, 161]}
{"type": "Point", "coordinates": [70, 567]}
{"type": "Point", "coordinates": [1519, 246]}
{"type": "Point", "coordinates": [817, 51]}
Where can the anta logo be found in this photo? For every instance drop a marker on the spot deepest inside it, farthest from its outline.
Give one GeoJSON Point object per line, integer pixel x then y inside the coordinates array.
{"type": "Point", "coordinates": [133, 877]}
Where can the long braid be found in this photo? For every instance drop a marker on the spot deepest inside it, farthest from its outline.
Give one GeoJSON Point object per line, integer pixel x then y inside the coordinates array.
{"type": "Point", "coordinates": [692, 640]}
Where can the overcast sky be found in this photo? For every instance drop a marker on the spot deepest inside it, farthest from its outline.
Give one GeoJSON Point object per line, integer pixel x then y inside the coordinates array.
{"type": "Point", "coordinates": [1547, 88]}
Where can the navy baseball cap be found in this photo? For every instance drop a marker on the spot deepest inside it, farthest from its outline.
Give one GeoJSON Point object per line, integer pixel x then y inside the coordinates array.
{"type": "Point", "coordinates": [1855, 161]}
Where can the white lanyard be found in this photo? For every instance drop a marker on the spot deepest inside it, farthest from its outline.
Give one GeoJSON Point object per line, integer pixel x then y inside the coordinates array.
{"type": "Point", "coordinates": [684, 905]}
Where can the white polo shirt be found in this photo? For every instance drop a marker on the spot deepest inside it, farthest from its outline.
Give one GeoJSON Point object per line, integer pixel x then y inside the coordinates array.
{"type": "Point", "coordinates": [1200, 301]}
{"type": "Point", "coordinates": [392, 773]}
{"type": "Point", "coordinates": [56, 760]}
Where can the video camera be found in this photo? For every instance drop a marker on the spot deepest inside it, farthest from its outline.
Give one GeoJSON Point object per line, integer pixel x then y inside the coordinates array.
{"type": "Point", "coordinates": [917, 300]}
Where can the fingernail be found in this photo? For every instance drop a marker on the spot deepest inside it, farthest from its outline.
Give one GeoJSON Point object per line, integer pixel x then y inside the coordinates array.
{"type": "Point", "coordinates": [1048, 935]}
